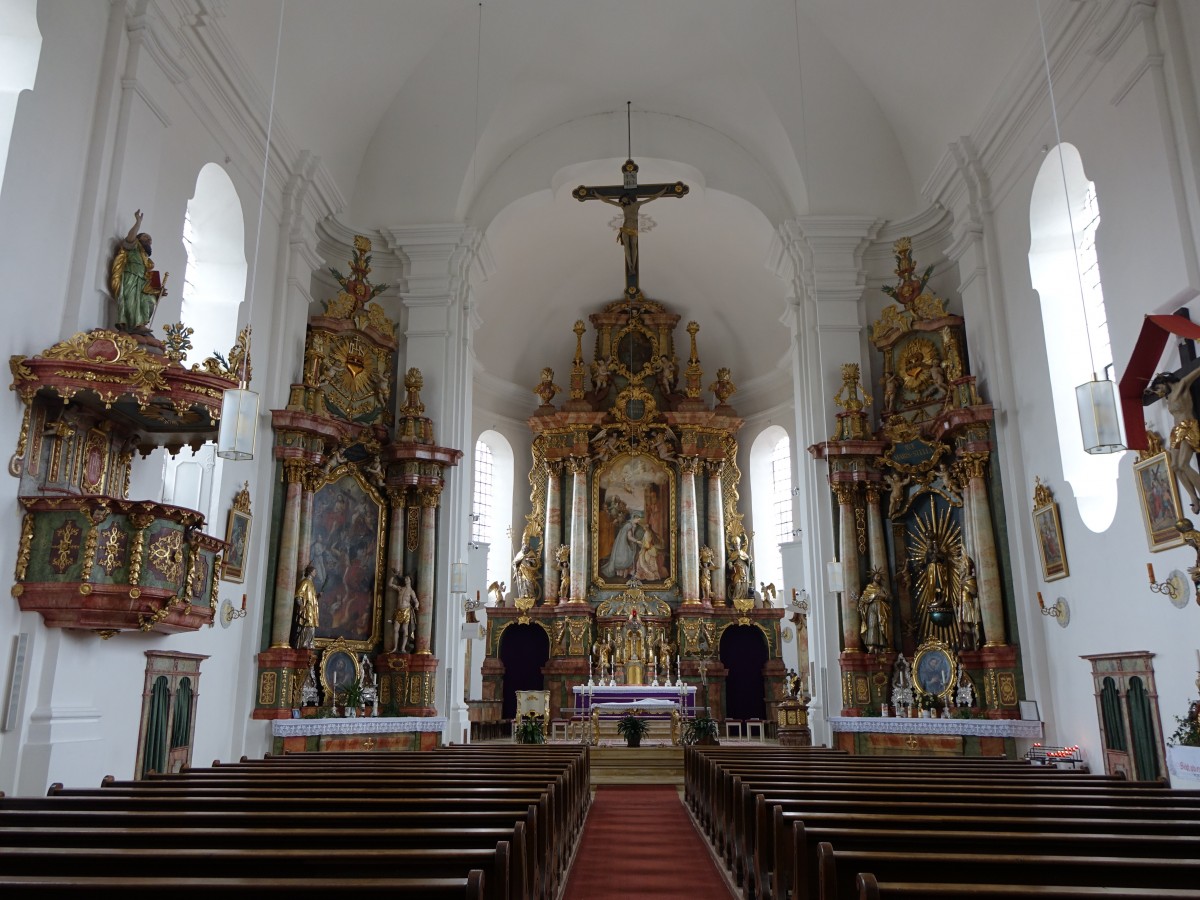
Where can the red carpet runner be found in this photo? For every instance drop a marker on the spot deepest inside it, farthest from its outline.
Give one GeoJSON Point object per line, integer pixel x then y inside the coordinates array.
{"type": "Point", "coordinates": [639, 842]}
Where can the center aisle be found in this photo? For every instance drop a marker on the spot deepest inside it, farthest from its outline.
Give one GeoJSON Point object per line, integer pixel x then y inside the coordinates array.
{"type": "Point", "coordinates": [640, 842]}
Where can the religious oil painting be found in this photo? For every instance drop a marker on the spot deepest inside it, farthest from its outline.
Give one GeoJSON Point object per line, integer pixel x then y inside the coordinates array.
{"type": "Point", "coordinates": [1159, 494]}
{"type": "Point", "coordinates": [1048, 531]}
{"type": "Point", "coordinates": [237, 535]}
{"type": "Point", "coordinates": [338, 669]}
{"type": "Point", "coordinates": [934, 669]}
{"type": "Point", "coordinates": [634, 515]}
{"type": "Point", "coordinates": [345, 551]}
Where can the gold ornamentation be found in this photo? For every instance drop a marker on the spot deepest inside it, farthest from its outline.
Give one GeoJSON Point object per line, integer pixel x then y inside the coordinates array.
{"type": "Point", "coordinates": [166, 555]}
{"type": "Point", "coordinates": [723, 388]}
{"type": "Point", "coordinates": [179, 341]}
{"type": "Point", "coordinates": [147, 623]}
{"type": "Point", "coordinates": [974, 465]}
{"type": "Point", "coordinates": [844, 491]}
{"type": "Point", "coordinates": [14, 464]}
{"type": "Point", "coordinates": [1154, 444]}
{"type": "Point", "coordinates": [268, 685]}
{"type": "Point", "coordinates": [915, 364]}
{"type": "Point", "coordinates": [1042, 495]}
{"type": "Point", "coordinates": [66, 547]}
{"type": "Point", "coordinates": [231, 369]}
{"type": "Point", "coordinates": [241, 500]}
{"type": "Point", "coordinates": [860, 524]}
{"type": "Point", "coordinates": [892, 319]}
{"type": "Point", "coordinates": [847, 397]}
{"type": "Point", "coordinates": [353, 301]}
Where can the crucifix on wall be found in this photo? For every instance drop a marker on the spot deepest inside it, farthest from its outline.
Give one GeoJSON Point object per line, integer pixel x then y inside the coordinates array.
{"type": "Point", "coordinates": [629, 197]}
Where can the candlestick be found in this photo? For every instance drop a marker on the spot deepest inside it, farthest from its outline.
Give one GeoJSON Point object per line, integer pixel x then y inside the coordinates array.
{"type": "Point", "coordinates": [244, 603]}
{"type": "Point", "coordinates": [1041, 602]}
{"type": "Point", "coordinates": [1150, 572]}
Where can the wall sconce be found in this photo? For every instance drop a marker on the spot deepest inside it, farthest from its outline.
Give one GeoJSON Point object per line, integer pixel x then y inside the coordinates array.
{"type": "Point", "coordinates": [229, 613]}
{"type": "Point", "coordinates": [1173, 588]}
{"type": "Point", "coordinates": [1059, 610]}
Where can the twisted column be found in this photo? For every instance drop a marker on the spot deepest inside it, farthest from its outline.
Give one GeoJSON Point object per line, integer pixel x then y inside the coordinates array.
{"type": "Point", "coordinates": [426, 557]}
{"type": "Point", "coordinates": [851, 586]}
{"type": "Point", "coordinates": [289, 554]}
{"type": "Point", "coordinates": [716, 525]}
{"type": "Point", "coordinates": [552, 534]}
{"type": "Point", "coordinates": [973, 467]}
{"type": "Point", "coordinates": [689, 536]}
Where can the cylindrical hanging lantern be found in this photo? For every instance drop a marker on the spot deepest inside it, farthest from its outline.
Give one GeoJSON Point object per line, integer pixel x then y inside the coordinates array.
{"type": "Point", "coordinates": [1099, 416]}
{"type": "Point", "coordinates": [239, 421]}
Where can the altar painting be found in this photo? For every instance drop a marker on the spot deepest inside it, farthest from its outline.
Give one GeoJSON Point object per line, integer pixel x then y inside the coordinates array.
{"type": "Point", "coordinates": [346, 554]}
{"type": "Point", "coordinates": [634, 516]}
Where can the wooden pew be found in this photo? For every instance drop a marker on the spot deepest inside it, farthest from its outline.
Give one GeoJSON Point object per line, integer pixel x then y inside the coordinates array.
{"type": "Point", "coordinates": [19, 887]}
{"type": "Point", "coordinates": [838, 870]}
{"type": "Point", "coordinates": [261, 864]}
{"type": "Point", "coordinates": [870, 889]}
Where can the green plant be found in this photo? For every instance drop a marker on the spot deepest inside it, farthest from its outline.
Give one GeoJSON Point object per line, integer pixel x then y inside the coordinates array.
{"type": "Point", "coordinates": [352, 694]}
{"type": "Point", "coordinates": [633, 729]}
{"type": "Point", "coordinates": [700, 730]}
{"type": "Point", "coordinates": [927, 701]}
{"type": "Point", "coordinates": [529, 729]}
{"type": "Point", "coordinates": [871, 712]}
{"type": "Point", "coordinates": [1187, 728]}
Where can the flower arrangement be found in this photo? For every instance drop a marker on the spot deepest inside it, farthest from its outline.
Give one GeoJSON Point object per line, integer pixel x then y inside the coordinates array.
{"type": "Point", "coordinates": [1187, 728]}
{"type": "Point", "coordinates": [633, 729]}
{"type": "Point", "coordinates": [700, 730]}
{"type": "Point", "coordinates": [529, 730]}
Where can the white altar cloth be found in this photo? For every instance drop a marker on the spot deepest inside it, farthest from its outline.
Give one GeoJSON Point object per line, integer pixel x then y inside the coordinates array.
{"type": "Point", "coordinates": [1001, 728]}
{"type": "Point", "coordinates": [364, 725]}
{"type": "Point", "coordinates": [649, 704]}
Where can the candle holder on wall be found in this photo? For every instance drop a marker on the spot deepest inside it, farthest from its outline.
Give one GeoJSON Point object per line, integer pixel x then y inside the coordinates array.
{"type": "Point", "coordinates": [229, 612]}
{"type": "Point", "coordinates": [1059, 610]}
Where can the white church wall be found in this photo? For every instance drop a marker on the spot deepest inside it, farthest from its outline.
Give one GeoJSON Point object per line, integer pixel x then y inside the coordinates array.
{"type": "Point", "coordinates": [82, 704]}
{"type": "Point", "coordinates": [1121, 136]}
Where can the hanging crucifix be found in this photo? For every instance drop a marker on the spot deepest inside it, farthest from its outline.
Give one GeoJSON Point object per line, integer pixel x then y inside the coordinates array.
{"type": "Point", "coordinates": [630, 198]}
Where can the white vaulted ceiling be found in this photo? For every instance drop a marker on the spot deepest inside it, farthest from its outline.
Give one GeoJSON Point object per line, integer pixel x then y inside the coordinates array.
{"type": "Point", "coordinates": [385, 92]}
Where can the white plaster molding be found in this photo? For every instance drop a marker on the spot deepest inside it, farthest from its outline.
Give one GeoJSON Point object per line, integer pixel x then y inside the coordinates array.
{"type": "Point", "coordinates": [502, 398]}
{"type": "Point", "coordinates": [1145, 64]}
{"type": "Point", "coordinates": [162, 43]}
{"type": "Point", "coordinates": [1115, 22]}
{"type": "Point", "coordinates": [133, 84]}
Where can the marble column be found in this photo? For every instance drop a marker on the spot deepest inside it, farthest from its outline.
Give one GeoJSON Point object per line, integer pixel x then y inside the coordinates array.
{"type": "Point", "coordinates": [974, 467]}
{"type": "Point", "coordinates": [286, 575]}
{"type": "Point", "coordinates": [876, 545]}
{"type": "Point", "coordinates": [851, 586]}
{"type": "Point", "coordinates": [689, 532]}
{"type": "Point", "coordinates": [312, 481]}
{"type": "Point", "coordinates": [716, 526]}
{"type": "Point", "coordinates": [397, 514]}
{"type": "Point", "coordinates": [552, 534]}
{"type": "Point", "coordinates": [426, 558]}
{"type": "Point", "coordinates": [579, 529]}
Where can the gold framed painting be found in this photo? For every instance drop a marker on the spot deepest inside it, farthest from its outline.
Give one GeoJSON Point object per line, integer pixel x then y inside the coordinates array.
{"type": "Point", "coordinates": [1159, 495]}
{"type": "Point", "coordinates": [237, 536]}
{"type": "Point", "coordinates": [1047, 530]}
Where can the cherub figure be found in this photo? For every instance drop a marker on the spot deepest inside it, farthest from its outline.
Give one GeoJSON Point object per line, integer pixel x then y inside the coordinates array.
{"type": "Point", "coordinates": [896, 484]}
{"type": "Point", "coordinates": [496, 589]}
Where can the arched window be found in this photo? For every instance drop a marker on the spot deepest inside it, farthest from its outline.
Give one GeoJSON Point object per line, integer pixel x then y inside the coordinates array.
{"type": "Point", "coordinates": [491, 507]}
{"type": "Point", "coordinates": [20, 49]}
{"type": "Point", "coordinates": [1075, 329]}
{"type": "Point", "coordinates": [214, 285]}
{"type": "Point", "coordinates": [771, 488]}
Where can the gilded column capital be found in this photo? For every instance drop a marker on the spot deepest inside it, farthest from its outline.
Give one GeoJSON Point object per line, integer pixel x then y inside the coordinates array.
{"type": "Point", "coordinates": [430, 496]}
{"type": "Point", "coordinates": [874, 490]}
{"type": "Point", "coordinates": [690, 465]}
{"type": "Point", "coordinates": [578, 465]}
{"type": "Point", "coordinates": [844, 491]}
{"type": "Point", "coordinates": [397, 497]}
{"type": "Point", "coordinates": [716, 467]}
{"type": "Point", "coordinates": [294, 471]}
{"type": "Point", "coordinates": [312, 478]}
{"type": "Point", "coordinates": [553, 466]}
{"type": "Point", "coordinates": [973, 465]}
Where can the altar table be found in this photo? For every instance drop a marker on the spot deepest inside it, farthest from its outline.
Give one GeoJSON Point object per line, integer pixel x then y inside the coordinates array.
{"type": "Point", "coordinates": [611, 699]}
{"type": "Point", "coordinates": [367, 733]}
{"type": "Point", "coordinates": [870, 735]}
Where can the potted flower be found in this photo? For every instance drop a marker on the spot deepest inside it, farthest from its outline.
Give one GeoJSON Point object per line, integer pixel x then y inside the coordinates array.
{"type": "Point", "coordinates": [1183, 747]}
{"type": "Point", "coordinates": [351, 694]}
{"type": "Point", "coordinates": [633, 729]}
{"type": "Point", "coordinates": [928, 704]}
{"type": "Point", "coordinates": [701, 730]}
{"type": "Point", "coordinates": [529, 730]}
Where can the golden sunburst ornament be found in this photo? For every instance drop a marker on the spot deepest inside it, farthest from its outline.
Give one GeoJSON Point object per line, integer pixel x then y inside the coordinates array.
{"type": "Point", "coordinates": [935, 545]}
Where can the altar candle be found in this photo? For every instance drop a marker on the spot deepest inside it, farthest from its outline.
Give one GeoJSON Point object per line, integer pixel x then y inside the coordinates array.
{"type": "Point", "coordinates": [1150, 572]}
{"type": "Point", "coordinates": [243, 602]}
{"type": "Point", "coordinates": [1041, 602]}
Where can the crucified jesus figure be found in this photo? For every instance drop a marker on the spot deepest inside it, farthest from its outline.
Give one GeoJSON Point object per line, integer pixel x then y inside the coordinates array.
{"type": "Point", "coordinates": [1185, 432]}
{"type": "Point", "coordinates": [627, 234]}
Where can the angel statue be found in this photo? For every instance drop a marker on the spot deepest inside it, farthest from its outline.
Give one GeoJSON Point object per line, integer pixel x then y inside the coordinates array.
{"type": "Point", "coordinates": [496, 589]}
{"type": "Point", "coordinates": [768, 590]}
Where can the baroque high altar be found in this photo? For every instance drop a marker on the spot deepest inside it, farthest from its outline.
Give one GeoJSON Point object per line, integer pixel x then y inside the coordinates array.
{"type": "Point", "coordinates": [634, 561]}
{"type": "Point", "coordinates": [926, 597]}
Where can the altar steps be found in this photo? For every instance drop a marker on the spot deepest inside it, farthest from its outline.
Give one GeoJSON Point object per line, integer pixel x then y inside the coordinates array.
{"type": "Point", "coordinates": [637, 765]}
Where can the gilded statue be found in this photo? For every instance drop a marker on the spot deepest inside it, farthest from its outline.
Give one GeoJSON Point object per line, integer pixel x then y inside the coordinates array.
{"type": "Point", "coordinates": [406, 611]}
{"type": "Point", "coordinates": [847, 397]}
{"type": "Point", "coordinates": [563, 557]}
{"type": "Point", "coordinates": [525, 569]}
{"type": "Point", "coordinates": [307, 610]}
{"type": "Point", "coordinates": [910, 286]}
{"type": "Point", "coordinates": [1185, 433]}
{"type": "Point", "coordinates": [968, 606]}
{"type": "Point", "coordinates": [135, 282]}
{"type": "Point", "coordinates": [707, 564]}
{"type": "Point", "coordinates": [739, 565]}
{"type": "Point", "coordinates": [496, 589]}
{"type": "Point", "coordinates": [875, 615]}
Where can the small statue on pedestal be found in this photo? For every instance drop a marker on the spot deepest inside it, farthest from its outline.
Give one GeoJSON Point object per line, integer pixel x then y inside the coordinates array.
{"type": "Point", "coordinates": [406, 611]}
{"type": "Point", "coordinates": [307, 610]}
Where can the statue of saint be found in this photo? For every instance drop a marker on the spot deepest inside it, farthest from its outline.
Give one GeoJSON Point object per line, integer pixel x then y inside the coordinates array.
{"type": "Point", "coordinates": [563, 556]}
{"type": "Point", "coordinates": [968, 606]}
{"type": "Point", "coordinates": [707, 564]}
{"type": "Point", "coordinates": [405, 616]}
{"type": "Point", "coordinates": [307, 611]}
{"type": "Point", "coordinates": [739, 564]}
{"type": "Point", "coordinates": [875, 613]}
{"type": "Point", "coordinates": [525, 574]}
{"type": "Point", "coordinates": [135, 283]}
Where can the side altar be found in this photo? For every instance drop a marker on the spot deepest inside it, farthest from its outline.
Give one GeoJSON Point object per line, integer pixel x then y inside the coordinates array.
{"type": "Point", "coordinates": [634, 566]}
